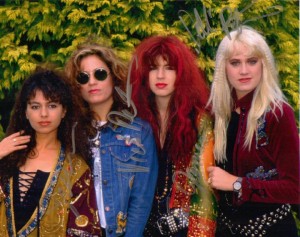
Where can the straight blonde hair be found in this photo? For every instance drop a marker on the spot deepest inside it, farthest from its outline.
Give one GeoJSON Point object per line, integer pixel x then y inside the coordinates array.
{"type": "Point", "coordinates": [267, 94]}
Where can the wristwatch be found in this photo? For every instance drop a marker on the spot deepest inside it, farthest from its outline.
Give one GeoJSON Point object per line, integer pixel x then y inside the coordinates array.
{"type": "Point", "coordinates": [237, 185]}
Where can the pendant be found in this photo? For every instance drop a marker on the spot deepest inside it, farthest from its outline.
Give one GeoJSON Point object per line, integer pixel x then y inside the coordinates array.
{"type": "Point", "coordinates": [81, 220]}
{"type": "Point", "coordinates": [97, 142]}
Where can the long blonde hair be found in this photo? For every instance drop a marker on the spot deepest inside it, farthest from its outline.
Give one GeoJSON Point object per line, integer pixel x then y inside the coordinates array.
{"type": "Point", "coordinates": [267, 94]}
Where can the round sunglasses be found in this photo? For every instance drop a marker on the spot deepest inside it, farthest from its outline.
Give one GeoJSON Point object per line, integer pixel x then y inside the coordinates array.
{"type": "Point", "coordinates": [99, 73]}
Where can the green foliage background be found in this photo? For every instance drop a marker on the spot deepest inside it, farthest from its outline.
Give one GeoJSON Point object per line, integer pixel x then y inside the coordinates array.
{"type": "Point", "coordinates": [47, 31]}
{"type": "Point", "coordinates": [40, 31]}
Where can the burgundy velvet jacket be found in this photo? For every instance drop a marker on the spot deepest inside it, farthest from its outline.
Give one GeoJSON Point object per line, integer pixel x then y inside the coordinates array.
{"type": "Point", "coordinates": [275, 149]}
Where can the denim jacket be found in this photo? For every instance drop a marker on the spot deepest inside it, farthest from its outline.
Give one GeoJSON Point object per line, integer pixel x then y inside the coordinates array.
{"type": "Point", "coordinates": [129, 173]}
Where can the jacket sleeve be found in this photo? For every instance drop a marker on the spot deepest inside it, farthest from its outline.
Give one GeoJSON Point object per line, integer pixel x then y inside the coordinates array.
{"type": "Point", "coordinates": [203, 206]}
{"type": "Point", "coordinates": [83, 215]}
{"type": "Point", "coordinates": [143, 187]}
{"type": "Point", "coordinates": [282, 151]}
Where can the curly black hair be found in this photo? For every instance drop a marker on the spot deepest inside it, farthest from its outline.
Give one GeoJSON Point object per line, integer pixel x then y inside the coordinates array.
{"type": "Point", "coordinates": [55, 87]}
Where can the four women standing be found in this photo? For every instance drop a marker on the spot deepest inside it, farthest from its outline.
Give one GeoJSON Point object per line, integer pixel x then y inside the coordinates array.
{"type": "Point", "coordinates": [256, 145]}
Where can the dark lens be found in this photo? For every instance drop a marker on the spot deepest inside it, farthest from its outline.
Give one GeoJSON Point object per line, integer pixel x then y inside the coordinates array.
{"type": "Point", "coordinates": [100, 74]}
{"type": "Point", "coordinates": [83, 78]}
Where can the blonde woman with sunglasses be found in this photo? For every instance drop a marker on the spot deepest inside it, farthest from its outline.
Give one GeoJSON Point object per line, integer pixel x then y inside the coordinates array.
{"type": "Point", "coordinates": [124, 158]}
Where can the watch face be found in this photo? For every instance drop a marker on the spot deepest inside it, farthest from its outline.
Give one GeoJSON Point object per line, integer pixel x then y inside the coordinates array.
{"type": "Point", "coordinates": [237, 186]}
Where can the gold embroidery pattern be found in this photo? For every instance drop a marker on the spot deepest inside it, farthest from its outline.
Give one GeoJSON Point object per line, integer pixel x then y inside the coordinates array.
{"type": "Point", "coordinates": [121, 222]}
{"type": "Point", "coordinates": [192, 193]}
{"type": "Point", "coordinates": [201, 227]}
{"type": "Point", "coordinates": [82, 221]}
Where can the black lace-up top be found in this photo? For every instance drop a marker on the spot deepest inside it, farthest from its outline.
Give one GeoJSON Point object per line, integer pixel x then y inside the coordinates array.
{"type": "Point", "coordinates": [27, 190]}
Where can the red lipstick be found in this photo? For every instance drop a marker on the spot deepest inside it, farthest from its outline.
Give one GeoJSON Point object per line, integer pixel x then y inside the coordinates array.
{"type": "Point", "coordinates": [94, 91]}
{"type": "Point", "coordinates": [161, 85]}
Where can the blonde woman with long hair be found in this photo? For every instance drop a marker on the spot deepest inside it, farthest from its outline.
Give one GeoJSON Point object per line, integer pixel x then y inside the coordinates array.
{"type": "Point", "coordinates": [256, 141]}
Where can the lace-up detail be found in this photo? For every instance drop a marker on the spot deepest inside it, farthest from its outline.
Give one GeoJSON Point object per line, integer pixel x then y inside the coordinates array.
{"type": "Point", "coordinates": [25, 181]}
{"type": "Point", "coordinates": [27, 188]}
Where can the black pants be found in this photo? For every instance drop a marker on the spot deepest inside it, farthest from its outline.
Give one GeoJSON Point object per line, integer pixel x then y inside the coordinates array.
{"type": "Point", "coordinates": [103, 232]}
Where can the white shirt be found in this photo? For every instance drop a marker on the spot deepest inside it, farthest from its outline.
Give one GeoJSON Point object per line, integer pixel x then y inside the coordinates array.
{"type": "Point", "coordinates": [98, 176]}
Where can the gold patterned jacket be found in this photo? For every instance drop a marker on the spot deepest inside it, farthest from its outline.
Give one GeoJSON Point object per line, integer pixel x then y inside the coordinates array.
{"type": "Point", "coordinates": [190, 189]}
{"type": "Point", "coordinates": [67, 206]}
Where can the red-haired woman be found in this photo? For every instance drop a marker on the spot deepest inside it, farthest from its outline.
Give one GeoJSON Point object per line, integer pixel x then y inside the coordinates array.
{"type": "Point", "coordinates": [170, 92]}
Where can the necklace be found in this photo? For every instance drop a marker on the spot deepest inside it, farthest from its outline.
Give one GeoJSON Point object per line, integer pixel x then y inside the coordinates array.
{"type": "Point", "coordinates": [160, 197]}
{"type": "Point", "coordinates": [99, 125]}
{"type": "Point", "coordinates": [97, 139]}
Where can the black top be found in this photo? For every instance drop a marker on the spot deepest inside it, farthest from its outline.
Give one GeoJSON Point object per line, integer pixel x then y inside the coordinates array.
{"type": "Point", "coordinates": [231, 137]}
{"type": "Point", "coordinates": [23, 210]}
{"type": "Point", "coordinates": [226, 197]}
{"type": "Point", "coordinates": [162, 194]}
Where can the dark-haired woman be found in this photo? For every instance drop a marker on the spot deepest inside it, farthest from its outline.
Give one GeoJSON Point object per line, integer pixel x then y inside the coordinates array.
{"type": "Point", "coordinates": [46, 189]}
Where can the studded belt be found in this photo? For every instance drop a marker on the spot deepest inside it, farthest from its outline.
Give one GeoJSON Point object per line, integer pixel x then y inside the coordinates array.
{"type": "Point", "coordinates": [257, 226]}
{"type": "Point", "coordinates": [176, 220]}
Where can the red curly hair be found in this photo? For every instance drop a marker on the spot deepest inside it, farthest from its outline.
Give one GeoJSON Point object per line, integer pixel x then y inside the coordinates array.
{"type": "Point", "coordinates": [188, 102]}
